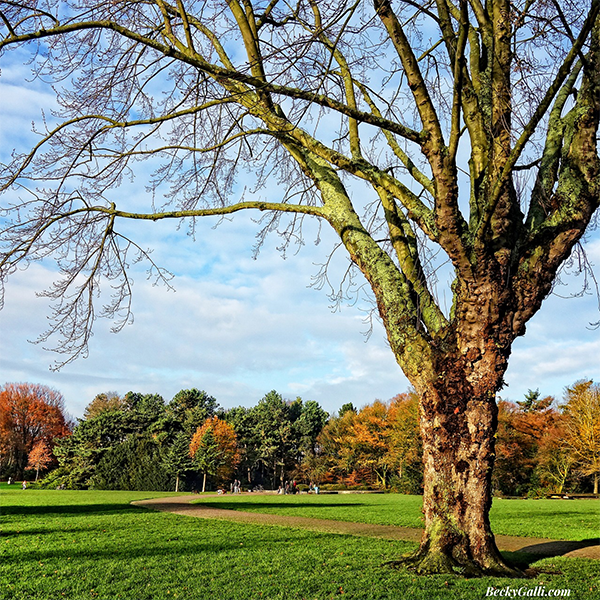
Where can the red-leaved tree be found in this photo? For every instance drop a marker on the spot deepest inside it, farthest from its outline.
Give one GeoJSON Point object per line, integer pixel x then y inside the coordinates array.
{"type": "Point", "coordinates": [40, 457]}
{"type": "Point", "coordinates": [29, 414]}
{"type": "Point", "coordinates": [214, 449]}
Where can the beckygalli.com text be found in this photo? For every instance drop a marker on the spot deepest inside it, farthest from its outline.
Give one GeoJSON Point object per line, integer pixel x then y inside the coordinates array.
{"type": "Point", "coordinates": [526, 592]}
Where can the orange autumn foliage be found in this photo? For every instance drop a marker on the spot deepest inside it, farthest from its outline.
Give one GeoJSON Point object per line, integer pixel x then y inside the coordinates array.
{"type": "Point", "coordinates": [214, 446]}
{"type": "Point", "coordinates": [371, 446]}
{"type": "Point", "coordinates": [39, 457]}
{"type": "Point", "coordinates": [29, 414]}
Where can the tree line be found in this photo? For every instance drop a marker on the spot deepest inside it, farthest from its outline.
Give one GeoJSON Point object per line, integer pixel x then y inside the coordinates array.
{"type": "Point", "coordinates": [139, 441]}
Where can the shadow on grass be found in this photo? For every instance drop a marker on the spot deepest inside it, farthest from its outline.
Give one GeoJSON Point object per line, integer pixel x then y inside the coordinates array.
{"type": "Point", "coordinates": [559, 547]}
{"type": "Point", "coordinates": [528, 555]}
{"type": "Point", "coordinates": [180, 546]}
{"type": "Point", "coordinates": [65, 509]}
{"type": "Point", "coordinates": [38, 532]}
{"type": "Point", "coordinates": [124, 553]}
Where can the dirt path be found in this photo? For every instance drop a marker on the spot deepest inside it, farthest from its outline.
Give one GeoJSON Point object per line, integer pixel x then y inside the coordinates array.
{"type": "Point", "coordinates": [180, 505]}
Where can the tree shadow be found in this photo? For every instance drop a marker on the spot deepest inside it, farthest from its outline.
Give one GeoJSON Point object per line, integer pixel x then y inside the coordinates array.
{"type": "Point", "coordinates": [526, 556]}
{"type": "Point", "coordinates": [558, 547]}
{"type": "Point", "coordinates": [21, 531]}
{"type": "Point", "coordinates": [64, 509]}
{"type": "Point", "coordinates": [178, 546]}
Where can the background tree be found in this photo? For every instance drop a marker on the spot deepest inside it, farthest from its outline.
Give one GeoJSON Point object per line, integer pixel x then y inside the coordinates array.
{"type": "Point", "coordinates": [377, 446]}
{"type": "Point", "coordinates": [39, 457]}
{"type": "Point", "coordinates": [242, 420]}
{"type": "Point", "coordinates": [420, 92]}
{"type": "Point", "coordinates": [336, 461]}
{"type": "Point", "coordinates": [405, 450]}
{"type": "Point", "coordinates": [533, 402]}
{"type": "Point", "coordinates": [97, 452]}
{"type": "Point", "coordinates": [555, 458]}
{"type": "Point", "coordinates": [103, 402]}
{"type": "Point", "coordinates": [30, 414]}
{"type": "Point", "coordinates": [369, 443]}
{"type": "Point", "coordinates": [582, 427]}
{"type": "Point", "coordinates": [525, 431]}
{"type": "Point", "coordinates": [308, 423]}
{"type": "Point", "coordinates": [176, 459]}
{"type": "Point", "coordinates": [214, 449]}
{"type": "Point", "coordinates": [274, 436]}
{"type": "Point", "coordinates": [348, 406]}
{"type": "Point", "coordinates": [134, 464]}
{"type": "Point", "coordinates": [190, 409]}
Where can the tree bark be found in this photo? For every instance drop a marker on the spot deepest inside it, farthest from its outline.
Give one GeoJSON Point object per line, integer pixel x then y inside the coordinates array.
{"type": "Point", "coordinates": [457, 430]}
{"type": "Point", "coordinates": [204, 483]}
{"type": "Point", "coordinates": [458, 442]}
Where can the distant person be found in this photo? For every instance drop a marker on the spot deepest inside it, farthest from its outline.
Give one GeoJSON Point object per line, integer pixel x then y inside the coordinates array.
{"type": "Point", "coordinates": [10, 481]}
{"type": "Point", "coordinates": [24, 485]}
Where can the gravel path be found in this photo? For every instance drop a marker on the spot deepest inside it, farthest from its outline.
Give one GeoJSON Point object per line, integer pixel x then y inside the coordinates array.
{"type": "Point", "coordinates": [180, 505]}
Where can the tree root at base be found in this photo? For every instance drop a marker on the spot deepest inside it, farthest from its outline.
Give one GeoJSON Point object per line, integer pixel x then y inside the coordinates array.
{"type": "Point", "coordinates": [435, 563]}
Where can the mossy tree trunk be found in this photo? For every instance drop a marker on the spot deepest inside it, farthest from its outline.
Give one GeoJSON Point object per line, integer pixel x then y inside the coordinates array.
{"type": "Point", "coordinates": [458, 425]}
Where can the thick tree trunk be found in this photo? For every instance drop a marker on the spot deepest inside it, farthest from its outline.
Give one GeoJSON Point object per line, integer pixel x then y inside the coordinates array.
{"type": "Point", "coordinates": [457, 429]}
{"type": "Point", "coordinates": [458, 445]}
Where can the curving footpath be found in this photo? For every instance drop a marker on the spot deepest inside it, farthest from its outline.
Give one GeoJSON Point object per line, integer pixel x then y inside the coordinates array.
{"type": "Point", "coordinates": [181, 505]}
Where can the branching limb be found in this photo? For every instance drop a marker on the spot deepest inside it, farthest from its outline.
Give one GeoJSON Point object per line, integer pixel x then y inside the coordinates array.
{"type": "Point", "coordinates": [540, 206]}
{"type": "Point", "coordinates": [435, 142]}
{"type": "Point", "coordinates": [539, 113]}
{"type": "Point", "coordinates": [459, 69]}
{"type": "Point", "coordinates": [222, 74]}
{"type": "Point", "coordinates": [346, 76]}
{"type": "Point", "coordinates": [417, 175]}
{"type": "Point", "coordinates": [405, 245]}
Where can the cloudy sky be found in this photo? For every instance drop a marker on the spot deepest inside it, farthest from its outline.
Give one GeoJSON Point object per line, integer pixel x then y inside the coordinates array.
{"type": "Point", "coordinates": [238, 327]}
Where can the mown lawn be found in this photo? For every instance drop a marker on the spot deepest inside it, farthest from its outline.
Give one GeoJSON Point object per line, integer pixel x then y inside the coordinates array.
{"type": "Point", "coordinates": [553, 519]}
{"type": "Point", "coordinates": [95, 545]}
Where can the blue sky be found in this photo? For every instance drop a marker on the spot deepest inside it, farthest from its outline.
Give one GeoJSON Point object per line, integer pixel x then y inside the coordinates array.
{"type": "Point", "coordinates": [238, 327]}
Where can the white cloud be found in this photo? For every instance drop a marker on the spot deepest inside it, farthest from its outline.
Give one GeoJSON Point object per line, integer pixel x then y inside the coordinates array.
{"type": "Point", "coordinates": [238, 327]}
{"type": "Point", "coordinates": [263, 329]}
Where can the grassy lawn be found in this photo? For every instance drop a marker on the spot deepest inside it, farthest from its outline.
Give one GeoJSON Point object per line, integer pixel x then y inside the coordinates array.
{"type": "Point", "coordinates": [94, 545]}
{"type": "Point", "coordinates": [554, 519]}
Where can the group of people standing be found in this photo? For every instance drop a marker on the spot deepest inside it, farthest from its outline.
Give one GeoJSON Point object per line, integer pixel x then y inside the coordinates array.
{"type": "Point", "coordinates": [23, 485]}
{"type": "Point", "coordinates": [235, 487]}
{"type": "Point", "coordinates": [291, 487]}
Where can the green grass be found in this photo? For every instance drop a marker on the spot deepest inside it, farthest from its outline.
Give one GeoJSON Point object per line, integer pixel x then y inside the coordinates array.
{"type": "Point", "coordinates": [94, 545]}
{"type": "Point", "coordinates": [554, 519]}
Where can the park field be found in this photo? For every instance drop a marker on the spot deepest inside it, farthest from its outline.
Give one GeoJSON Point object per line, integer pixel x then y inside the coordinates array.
{"type": "Point", "coordinates": [553, 519]}
{"type": "Point", "coordinates": [95, 545]}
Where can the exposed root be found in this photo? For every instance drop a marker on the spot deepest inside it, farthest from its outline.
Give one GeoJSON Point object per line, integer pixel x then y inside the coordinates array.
{"type": "Point", "coordinates": [435, 563]}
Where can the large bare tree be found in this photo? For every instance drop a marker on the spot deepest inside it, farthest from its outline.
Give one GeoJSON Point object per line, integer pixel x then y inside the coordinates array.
{"type": "Point", "coordinates": [465, 127]}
